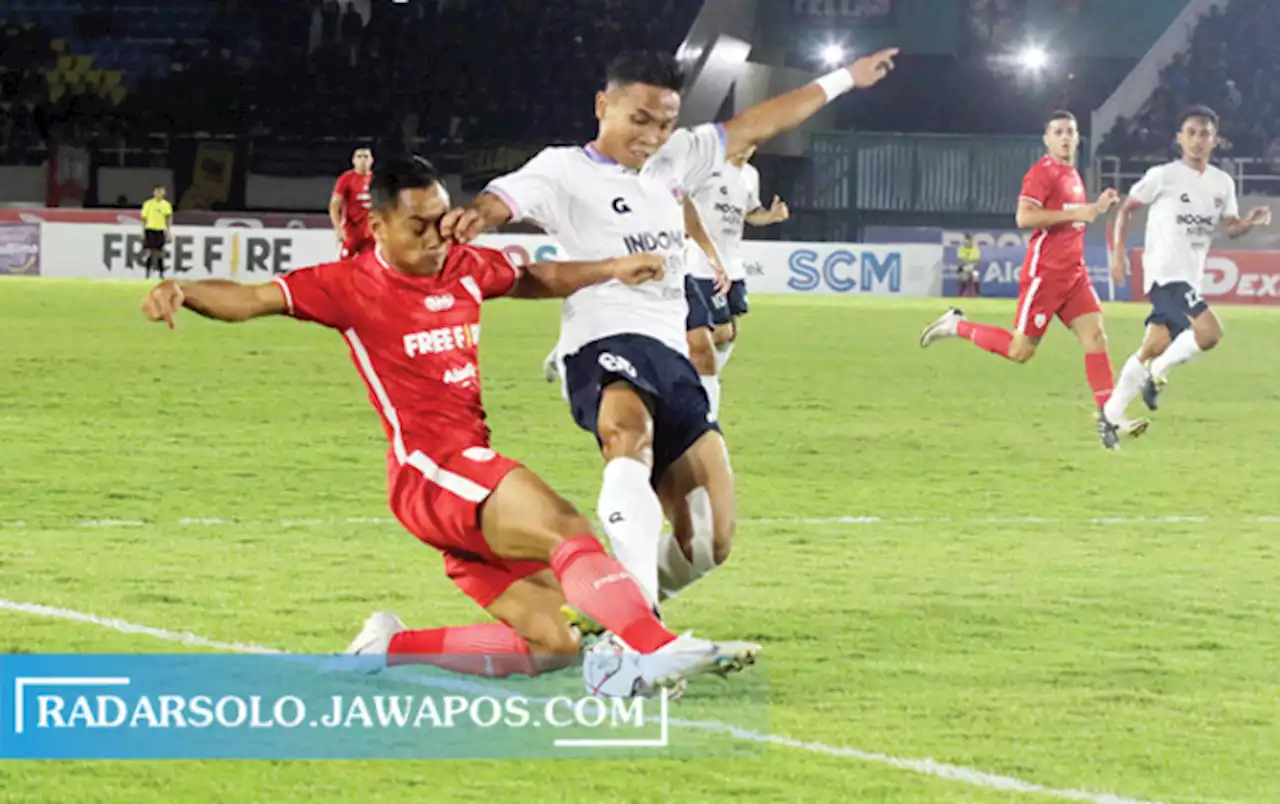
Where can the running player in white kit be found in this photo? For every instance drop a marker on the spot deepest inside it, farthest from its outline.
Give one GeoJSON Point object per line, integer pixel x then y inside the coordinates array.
{"type": "Point", "coordinates": [730, 198]}
{"type": "Point", "coordinates": [624, 351]}
{"type": "Point", "coordinates": [1189, 200]}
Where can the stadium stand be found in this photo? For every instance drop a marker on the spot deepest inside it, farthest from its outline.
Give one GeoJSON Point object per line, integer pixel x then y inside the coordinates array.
{"type": "Point", "coordinates": [1233, 64]}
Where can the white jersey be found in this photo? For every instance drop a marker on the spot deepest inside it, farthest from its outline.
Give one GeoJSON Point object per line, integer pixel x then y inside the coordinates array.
{"type": "Point", "coordinates": [724, 201]}
{"type": "Point", "coordinates": [1186, 208]}
{"type": "Point", "coordinates": [597, 209]}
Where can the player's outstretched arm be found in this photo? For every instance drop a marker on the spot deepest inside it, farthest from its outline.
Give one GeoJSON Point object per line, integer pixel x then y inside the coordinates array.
{"type": "Point", "coordinates": [766, 120]}
{"type": "Point", "coordinates": [556, 280]}
{"type": "Point", "coordinates": [219, 299]}
{"type": "Point", "coordinates": [464, 224]}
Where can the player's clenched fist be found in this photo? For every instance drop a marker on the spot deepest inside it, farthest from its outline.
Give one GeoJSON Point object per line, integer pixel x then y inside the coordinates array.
{"type": "Point", "coordinates": [462, 225]}
{"type": "Point", "coordinates": [163, 302]}
{"type": "Point", "coordinates": [637, 268]}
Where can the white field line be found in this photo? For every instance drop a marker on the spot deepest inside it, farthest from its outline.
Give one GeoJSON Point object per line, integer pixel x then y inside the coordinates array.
{"type": "Point", "coordinates": [213, 522]}
{"type": "Point", "coordinates": [925, 767]}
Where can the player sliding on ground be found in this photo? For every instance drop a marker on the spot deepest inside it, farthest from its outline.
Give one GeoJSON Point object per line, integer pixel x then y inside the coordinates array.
{"type": "Point", "coordinates": [1054, 280]}
{"type": "Point", "coordinates": [1188, 199]}
{"type": "Point", "coordinates": [625, 355]}
{"type": "Point", "coordinates": [410, 312]}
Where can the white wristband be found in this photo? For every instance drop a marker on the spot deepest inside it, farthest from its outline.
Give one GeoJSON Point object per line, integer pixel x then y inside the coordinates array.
{"type": "Point", "coordinates": [835, 83]}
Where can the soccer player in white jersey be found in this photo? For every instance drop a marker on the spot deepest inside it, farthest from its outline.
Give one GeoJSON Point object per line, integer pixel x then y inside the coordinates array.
{"type": "Point", "coordinates": [727, 200]}
{"type": "Point", "coordinates": [624, 352]}
{"type": "Point", "coordinates": [1189, 200]}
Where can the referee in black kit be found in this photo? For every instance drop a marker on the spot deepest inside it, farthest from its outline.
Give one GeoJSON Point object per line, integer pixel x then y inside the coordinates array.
{"type": "Point", "coordinates": [156, 216]}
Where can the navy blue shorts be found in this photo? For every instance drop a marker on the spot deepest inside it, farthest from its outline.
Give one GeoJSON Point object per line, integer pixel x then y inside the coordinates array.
{"type": "Point", "coordinates": [668, 383]}
{"type": "Point", "coordinates": [702, 311]}
{"type": "Point", "coordinates": [738, 298]}
{"type": "Point", "coordinates": [715, 306]}
{"type": "Point", "coordinates": [1174, 305]}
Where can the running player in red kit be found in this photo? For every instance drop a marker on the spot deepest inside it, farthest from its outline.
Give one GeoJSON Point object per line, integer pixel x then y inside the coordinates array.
{"type": "Point", "coordinates": [349, 205]}
{"type": "Point", "coordinates": [409, 310]}
{"type": "Point", "coordinates": [1054, 281]}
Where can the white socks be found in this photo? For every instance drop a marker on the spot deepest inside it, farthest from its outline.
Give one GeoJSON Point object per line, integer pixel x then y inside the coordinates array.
{"type": "Point", "coordinates": [632, 517]}
{"type": "Point", "coordinates": [1183, 350]}
{"type": "Point", "coordinates": [723, 350]}
{"type": "Point", "coordinates": [711, 384]}
{"type": "Point", "coordinates": [1128, 386]}
{"type": "Point", "coordinates": [675, 571]}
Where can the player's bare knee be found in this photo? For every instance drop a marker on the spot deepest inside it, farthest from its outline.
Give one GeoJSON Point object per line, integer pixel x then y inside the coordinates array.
{"type": "Point", "coordinates": [702, 354]}
{"type": "Point", "coordinates": [624, 441]}
{"type": "Point", "coordinates": [1021, 352]}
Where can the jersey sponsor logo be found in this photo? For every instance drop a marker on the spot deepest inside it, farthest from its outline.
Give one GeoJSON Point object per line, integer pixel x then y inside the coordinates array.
{"type": "Point", "coordinates": [439, 303]}
{"type": "Point", "coordinates": [620, 206]}
{"type": "Point", "coordinates": [462, 375]}
{"type": "Point", "coordinates": [441, 339]}
{"type": "Point", "coordinates": [643, 242]}
{"type": "Point", "coordinates": [616, 365]}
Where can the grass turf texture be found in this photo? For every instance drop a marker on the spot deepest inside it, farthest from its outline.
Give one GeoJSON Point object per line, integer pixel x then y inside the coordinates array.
{"type": "Point", "coordinates": [1138, 657]}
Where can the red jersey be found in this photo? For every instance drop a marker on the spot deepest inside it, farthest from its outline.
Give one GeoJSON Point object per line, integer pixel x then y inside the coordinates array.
{"type": "Point", "coordinates": [414, 339]}
{"type": "Point", "coordinates": [1059, 250]}
{"type": "Point", "coordinates": [353, 189]}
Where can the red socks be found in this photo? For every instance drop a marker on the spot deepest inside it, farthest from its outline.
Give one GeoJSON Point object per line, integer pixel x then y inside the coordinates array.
{"type": "Point", "coordinates": [602, 589]}
{"type": "Point", "coordinates": [484, 649]}
{"type": "Point", "coordinates": [1097, 367]}
{"type": "Point", "coordinates": [984, 336]}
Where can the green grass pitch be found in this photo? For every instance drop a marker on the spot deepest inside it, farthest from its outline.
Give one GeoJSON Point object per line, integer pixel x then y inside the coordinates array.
{"type": "Point", "coordinates": [1004, 596]}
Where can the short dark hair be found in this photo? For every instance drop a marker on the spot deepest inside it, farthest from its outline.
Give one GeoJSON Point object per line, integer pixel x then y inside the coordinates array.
{"type": "Point", "coordinates": [157, 187]}
{"type": "Point", "coordinates": [1201, 111]}
{"type": "Point", "coordinates": [1059, 114]}
{"type": "Point", "coordinates": [393, 175]}
{"type": "Point", "coordinates": [645, 67]}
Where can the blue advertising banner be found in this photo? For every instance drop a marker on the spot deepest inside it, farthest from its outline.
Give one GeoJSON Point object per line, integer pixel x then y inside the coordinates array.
{"type": "Point", "coordinates": [214, 706]}
{"type": "Point", "coordinates": [1000, 267]}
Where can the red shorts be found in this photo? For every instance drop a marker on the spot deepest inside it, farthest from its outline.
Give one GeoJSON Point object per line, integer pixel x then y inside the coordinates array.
{"type": "Point", "coordinates": [438, 499]}
{"type": "Point", "coordinates": [356, 245]}
{"type": "Point", "coordinates": [1043, 297]}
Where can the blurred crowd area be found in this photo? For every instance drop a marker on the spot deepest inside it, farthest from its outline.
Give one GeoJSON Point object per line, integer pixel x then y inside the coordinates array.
{"type": "Point", "coordinates": [116, 73]}
{"type": "Point", "coordinates": [1233, 66]}
{"type": "Point", "coordinates": [439, 71]}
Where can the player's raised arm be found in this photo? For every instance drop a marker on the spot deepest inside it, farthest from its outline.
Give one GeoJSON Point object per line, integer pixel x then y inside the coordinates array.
{"type": "Point", "coordinates": [557, 280]}
{"type": "Point", "coordinates": [766, 120]}
{"type": "Point", "coordinates": [219, 299]}
{"type": "Point", "coordinates": [464, 224]}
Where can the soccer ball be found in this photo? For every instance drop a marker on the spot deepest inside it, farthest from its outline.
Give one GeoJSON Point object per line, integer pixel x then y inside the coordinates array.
{"type": "Point", "coordinates": [611, 669]}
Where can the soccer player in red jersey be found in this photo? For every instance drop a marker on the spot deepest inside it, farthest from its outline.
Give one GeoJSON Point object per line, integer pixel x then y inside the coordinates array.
{"type": "Point", "coordinates": [409, 310]}
{"type": "Point", "coordinates": [349, 205]}
{"type": "Point", "coordinates": [1054, 280]}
